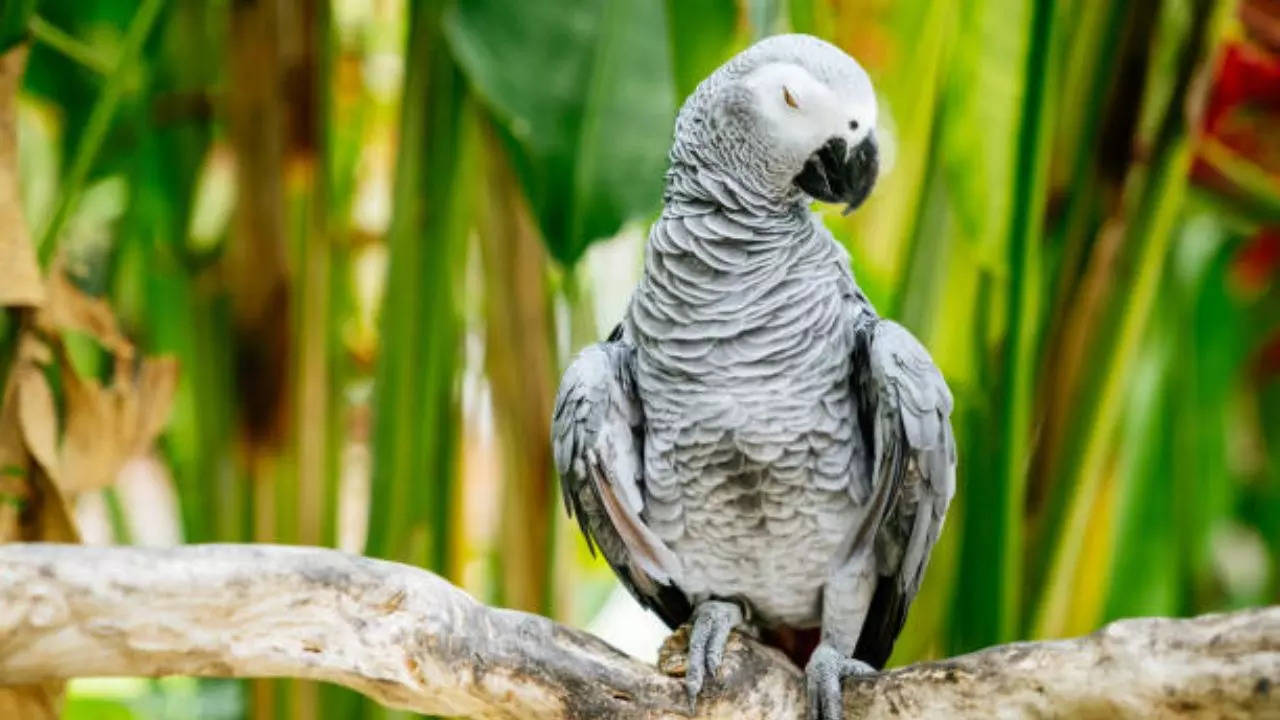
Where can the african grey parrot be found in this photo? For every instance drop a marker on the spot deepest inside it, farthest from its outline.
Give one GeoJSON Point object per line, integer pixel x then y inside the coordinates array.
{"type": "Point", "coordinates": [753, 445]}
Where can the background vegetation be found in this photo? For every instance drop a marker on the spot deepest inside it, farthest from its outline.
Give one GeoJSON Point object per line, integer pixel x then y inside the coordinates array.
{"type": "Point", "coordinates": [358, 239]}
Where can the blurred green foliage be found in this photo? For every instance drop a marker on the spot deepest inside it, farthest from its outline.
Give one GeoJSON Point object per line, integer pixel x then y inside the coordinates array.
{"type": "Point", "coordinates": [1077, 216]}
{"type": "Point", "coordinates": [14, 18]}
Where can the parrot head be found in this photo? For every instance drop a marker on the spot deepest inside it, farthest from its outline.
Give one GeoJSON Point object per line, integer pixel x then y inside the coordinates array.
{"type": "Point", "coordinates": [788, 117]}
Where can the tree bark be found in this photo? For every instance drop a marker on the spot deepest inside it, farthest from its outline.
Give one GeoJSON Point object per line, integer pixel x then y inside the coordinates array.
{"type": "Point", "coordinates": [410, 640]}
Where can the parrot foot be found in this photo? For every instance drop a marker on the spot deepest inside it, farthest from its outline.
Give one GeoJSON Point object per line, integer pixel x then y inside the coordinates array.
{"type": "Point", "coordinates": [826, 668]}
{"type": "Point", "coordinates": [712, 621]}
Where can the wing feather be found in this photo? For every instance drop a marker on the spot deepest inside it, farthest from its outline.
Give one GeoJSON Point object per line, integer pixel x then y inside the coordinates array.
{"type": "Point", "coordinates": [598, 438]}
{"type": "Point", "coordinates": [914, 465]}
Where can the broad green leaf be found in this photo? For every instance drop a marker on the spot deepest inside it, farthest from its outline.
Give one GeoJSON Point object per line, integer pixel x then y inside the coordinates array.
{"type": "Point", "coordinates": [583, 90]}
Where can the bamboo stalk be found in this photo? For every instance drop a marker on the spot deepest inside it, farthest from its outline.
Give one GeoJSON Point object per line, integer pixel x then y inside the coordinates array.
{"type": "Point", "coordinates": [520, 368]}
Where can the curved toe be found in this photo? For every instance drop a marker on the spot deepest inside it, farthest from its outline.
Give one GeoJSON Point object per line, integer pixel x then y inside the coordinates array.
{"type": "Point", "coordinates": [712, 622]}
{"type": "Point", "coordinates": [826, 668]}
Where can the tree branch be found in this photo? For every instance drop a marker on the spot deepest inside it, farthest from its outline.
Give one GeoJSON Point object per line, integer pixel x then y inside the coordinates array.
{"type": "Point", "coordinates": [411, 640]}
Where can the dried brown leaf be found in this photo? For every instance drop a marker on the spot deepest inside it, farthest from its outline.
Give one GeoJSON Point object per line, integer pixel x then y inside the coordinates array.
{"type": "Point", "coordinates": [19, 272]}
{"type": "Point", "coordinates": [107, 426]}
{"type": "Point", "coordinates": [14, 495]}
{"type": "Point", "coordinates": [68, 308]}
{"type": "Point", "coordinates": [13, 453]}
{"type": "Point", "coordinates": [19, 278]}
{"type": "Point", "coordinates": [157, 385]}
{"type": "Point", "coordinates": [48, 519]}
{"type": "Point", "coordinates": [37, 412]}
{"type": "Point", "coordinates": [31, 506]}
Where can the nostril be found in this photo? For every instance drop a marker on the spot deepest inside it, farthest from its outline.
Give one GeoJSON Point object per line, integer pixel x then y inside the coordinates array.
{"type": "Point", "coordinates": [853, 125]}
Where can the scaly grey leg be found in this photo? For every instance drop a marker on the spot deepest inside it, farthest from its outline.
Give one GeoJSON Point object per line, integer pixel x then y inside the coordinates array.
{"type": "Point", "coordinates": [845, 601]}
{"type": "Point", "coordinates": [712, 621]}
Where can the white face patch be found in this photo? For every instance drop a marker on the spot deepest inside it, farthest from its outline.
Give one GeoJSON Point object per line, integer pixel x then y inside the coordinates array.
{"type": "Point", "coordinates": [802, 113]}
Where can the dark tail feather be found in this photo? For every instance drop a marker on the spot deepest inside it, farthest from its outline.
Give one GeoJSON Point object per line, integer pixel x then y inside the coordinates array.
{"type": "Point", "coordinates": [666, 601]}
{"type": "Point", "coordinates": [884, 621]}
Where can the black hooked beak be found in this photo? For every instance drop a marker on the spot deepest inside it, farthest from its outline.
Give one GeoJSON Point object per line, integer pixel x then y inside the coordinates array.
{"type": "Point", "coordinates": [835, 174]}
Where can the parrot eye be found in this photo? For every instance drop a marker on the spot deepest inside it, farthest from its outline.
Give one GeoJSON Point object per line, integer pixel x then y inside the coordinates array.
{"type": "Point", "coordinates": [788, 98]}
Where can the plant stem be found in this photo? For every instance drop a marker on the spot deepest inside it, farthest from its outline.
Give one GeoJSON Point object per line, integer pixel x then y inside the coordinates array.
{"type": "Point", "coordinates": [99, 122]}
{"type": "Point", "coordinates": [52, 36]}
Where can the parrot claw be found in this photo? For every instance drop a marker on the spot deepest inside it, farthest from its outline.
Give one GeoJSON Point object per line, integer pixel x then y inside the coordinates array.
{"type": "Point", "coordinates": [712, 621]}
{"type": "Point", "coordinates": [826, 668]}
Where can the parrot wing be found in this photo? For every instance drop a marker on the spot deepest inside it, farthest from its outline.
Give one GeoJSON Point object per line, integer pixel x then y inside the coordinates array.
{"type": "Point", "coordinates": [597, 433]}
{"type": "Point", "coordinates": [906, 407]}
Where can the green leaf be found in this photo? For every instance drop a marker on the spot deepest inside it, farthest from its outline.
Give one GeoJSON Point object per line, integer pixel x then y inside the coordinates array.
{"type": "Point", "coordinates": [14, 16]}
{"type": "Point", "coordinates": [1144, 572]}
{"type": "Point", "coordinates": [983, 103]}
{"type": "Point", "coordinates": [158, 292]}
{"type": "Point", "coordinates": [703, 35]}
{"type": "Point", "coordinates": [583, 91]}
{"type": "Point", "coordinates": [1261, 501]}
{"type": "Point", "coordinates": [1015, 72]}
{"type": "Point", "coordinates": [1159, 192]}
{"type": "Point", "coordinates": [800, 14]}
{"type": "Point", "coordinates": [52, 36]}
{"type": "Point", "coordinates": [904, 48]}
{"type": "Point", "coordinates": [99, 122]}
{"type": "Point", "coordinates": [417, 423]}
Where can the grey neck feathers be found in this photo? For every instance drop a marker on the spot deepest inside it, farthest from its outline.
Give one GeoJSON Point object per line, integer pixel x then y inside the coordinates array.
{"type": "Point", "coordinates": [694, 180]}
{"type": "Point", "coordinates": [718, 236]}
{"type": "Point", "coordinates": [727, 267]}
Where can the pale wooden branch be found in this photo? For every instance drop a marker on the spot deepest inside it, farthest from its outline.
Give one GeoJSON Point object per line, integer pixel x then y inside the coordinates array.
{"type": "Point", "coordinates": [411, 640]}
